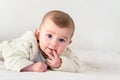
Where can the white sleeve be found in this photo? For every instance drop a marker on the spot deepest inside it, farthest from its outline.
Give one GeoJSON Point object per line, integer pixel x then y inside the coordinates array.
{"type": "Point", "coordinates": [16, 55]}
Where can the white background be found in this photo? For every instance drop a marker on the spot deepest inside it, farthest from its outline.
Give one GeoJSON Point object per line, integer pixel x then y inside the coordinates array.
{"type": "Point", "coordinates": [97, 21]}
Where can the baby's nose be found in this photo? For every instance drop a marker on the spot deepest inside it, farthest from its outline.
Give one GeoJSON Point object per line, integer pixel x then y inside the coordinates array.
{"type": "Point", "coordinates": [53, 44]}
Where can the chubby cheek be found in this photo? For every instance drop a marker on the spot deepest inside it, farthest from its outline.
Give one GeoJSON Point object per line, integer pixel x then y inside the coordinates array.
{"type": "Point", "coordinates": [61, 49]}
{"type": "Point", "coordinates": [43, 43]}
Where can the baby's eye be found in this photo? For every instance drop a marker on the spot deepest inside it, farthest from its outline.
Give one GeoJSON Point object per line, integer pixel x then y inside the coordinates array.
{"type": "Point", "coordinates": [49, 35]}
{"type": "Point", "coordinates": [61, 40]}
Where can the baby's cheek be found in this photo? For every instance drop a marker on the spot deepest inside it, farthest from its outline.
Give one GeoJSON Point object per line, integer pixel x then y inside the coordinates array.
{"type": "Point", "coordinates": [61, 50]}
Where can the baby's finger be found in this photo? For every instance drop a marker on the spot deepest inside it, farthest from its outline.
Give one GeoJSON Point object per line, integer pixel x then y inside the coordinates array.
{"type": "Point", "coordinates": [55, 54]}
{"type": "Point", "coordinates": [51, 56]}
{"type": "Point", "coordinates": [49, 61]}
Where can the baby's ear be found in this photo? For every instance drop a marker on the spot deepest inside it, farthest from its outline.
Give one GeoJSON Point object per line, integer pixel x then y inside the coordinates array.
{"type": "Point", "coordinates": [37, 33]}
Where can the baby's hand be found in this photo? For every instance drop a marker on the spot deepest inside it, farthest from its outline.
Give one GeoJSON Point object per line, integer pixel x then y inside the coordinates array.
{"type": "Point", "coordinates": [39, 67]}
{"type": "Point", "coordinates": [54, 60]}
{"type": "Point", "coordinates": [35, 67]}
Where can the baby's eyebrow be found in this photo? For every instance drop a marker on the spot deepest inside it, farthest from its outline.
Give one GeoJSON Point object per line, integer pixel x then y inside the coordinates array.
{"type": "Point", "coordinates": [50, 31]}
{"type": "Point", "coordinates": [65, 37]}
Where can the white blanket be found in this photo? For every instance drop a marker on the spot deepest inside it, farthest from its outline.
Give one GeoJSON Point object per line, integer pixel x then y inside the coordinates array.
{"type": "Point", "coordinates": [94, 66]}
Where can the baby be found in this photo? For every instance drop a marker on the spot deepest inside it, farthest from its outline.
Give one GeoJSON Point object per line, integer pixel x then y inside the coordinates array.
{"type": "Point", "coordinates": [45, 48]}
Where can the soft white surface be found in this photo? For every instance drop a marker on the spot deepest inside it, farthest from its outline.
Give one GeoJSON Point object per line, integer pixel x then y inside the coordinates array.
{"type": "Point", "coordinates": [94, 66]}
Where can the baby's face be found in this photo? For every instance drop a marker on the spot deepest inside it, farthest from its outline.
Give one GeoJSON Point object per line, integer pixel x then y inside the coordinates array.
{"type": "Point", "coordinates": [52, 38]}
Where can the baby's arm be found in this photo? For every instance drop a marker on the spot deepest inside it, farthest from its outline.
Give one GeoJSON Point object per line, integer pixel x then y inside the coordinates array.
{"type": "Point", "coordinates": [16, 57]}
{"type": "Point", "coordinates": [35, 67]}
{"type": "Point", "coordinates": [70, 63]}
